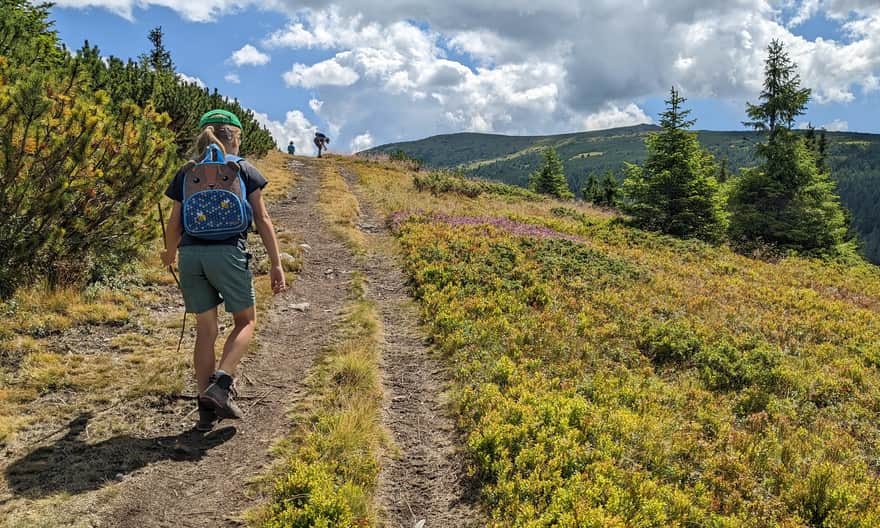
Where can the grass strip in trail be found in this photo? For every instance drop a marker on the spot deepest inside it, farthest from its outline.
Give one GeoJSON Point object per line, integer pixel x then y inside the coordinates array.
{"type": "Point", "coordinates": [639, 380]}
{"type": "Point", "coordinates": [340, 207]}
{"type": "Point", "coordinates": [327, 467]}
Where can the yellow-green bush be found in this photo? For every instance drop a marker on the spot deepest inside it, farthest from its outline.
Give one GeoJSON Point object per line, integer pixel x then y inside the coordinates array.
{"type": "Point", "coordinates": [79, 180]}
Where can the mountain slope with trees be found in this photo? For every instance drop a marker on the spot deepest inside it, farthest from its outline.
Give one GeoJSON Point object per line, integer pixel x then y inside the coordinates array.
{"type": "Point", "coordinates": [854, 160]}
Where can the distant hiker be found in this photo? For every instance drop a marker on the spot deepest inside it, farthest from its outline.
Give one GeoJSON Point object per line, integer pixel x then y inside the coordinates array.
{"type": "Point", "coordinates": [321, 142]}
{"type": "Point", "coordinates": [291, 148]}
{"type": "Point", "coordinates": [209, 229]}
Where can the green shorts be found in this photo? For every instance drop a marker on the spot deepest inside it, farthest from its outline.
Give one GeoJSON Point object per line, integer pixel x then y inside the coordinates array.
{"type": "Point", "coordinates": [213, 274]}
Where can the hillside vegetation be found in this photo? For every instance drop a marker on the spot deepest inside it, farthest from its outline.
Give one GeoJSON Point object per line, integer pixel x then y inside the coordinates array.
{"type": "Point", "coordinates": [87, 145]}
{"type": "Point", "coordinates": [854, 160]}
{"type": "Point", "coordinates": [606, 376]}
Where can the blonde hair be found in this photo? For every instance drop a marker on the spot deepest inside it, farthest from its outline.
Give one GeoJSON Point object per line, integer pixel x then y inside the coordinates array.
{"type": "Point", "coordinates": [221, 135]}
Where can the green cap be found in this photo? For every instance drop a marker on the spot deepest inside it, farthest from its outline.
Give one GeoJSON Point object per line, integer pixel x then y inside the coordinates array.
{"type": "Point", "coordinates": [223, 117]}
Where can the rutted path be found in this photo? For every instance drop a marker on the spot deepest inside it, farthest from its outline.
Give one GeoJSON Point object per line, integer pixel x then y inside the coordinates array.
{"type": "Point", "coordinates": [169, 478]}
{"type": "Point", "coordinates": [426, 479]}
{"type": "Point", "coordinates": [212, 491]}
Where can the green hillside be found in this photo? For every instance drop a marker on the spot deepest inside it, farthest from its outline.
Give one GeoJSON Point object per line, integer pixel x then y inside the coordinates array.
{"type": "Point", "coordinates": [854, 160]}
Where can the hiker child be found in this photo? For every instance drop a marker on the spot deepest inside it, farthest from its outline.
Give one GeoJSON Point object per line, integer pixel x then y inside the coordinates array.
{"type": "Point", "coordinates": [291, 148]}
{"type": "Point", "coordinates": [321, 142]}
{"type": "Point", "coordinates": [214, 268]}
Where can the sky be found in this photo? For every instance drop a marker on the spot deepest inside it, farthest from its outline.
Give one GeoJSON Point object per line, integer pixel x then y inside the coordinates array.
{"type": "Point", "coordinates": [371, 72]}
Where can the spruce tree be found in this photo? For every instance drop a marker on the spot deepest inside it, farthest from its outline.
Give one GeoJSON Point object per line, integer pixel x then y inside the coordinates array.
{"type": "Point", "coordinates": [159, 58]}
{"type": "Point", "coordinates": [676, 191]}
{"type": "Point", "coordinates": [590, 192]}
{"type": "Point", "coordinates": [550, 178]}
{"type": "Point", "coordinates": [822, 152]}
{"type": "Point", "coordinates": [787, 201]}
{"type": "Point", "coordinates": [609, 190]}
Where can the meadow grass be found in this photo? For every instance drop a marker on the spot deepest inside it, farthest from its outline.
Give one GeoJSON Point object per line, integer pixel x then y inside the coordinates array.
{"type": "Point", "coordinates": [623, 378]}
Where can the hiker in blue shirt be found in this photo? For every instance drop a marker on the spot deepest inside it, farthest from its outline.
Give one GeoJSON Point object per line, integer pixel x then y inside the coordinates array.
{"type": "Point", "coordinates": [214, 271]}
{"type": "Point", "coordinates": [291, 148]}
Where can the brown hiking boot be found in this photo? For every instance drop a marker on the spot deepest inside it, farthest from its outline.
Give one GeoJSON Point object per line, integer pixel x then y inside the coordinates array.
{"type": "Point", "coordinates": [219, 396]}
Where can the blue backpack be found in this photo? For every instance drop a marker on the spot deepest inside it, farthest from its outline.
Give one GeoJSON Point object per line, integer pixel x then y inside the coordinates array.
{"type": "Point", "coordinates": [215, 205]}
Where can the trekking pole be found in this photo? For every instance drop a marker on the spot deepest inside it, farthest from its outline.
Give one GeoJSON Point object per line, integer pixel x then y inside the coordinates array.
{"type": "Point", "coordinates": [171, 269]}
{"type": "Point", "coordinates": [164, 236]}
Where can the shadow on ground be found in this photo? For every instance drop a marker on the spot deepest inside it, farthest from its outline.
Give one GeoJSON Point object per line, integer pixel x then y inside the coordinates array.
{"type": "Point", "coordinates": [71, 465]}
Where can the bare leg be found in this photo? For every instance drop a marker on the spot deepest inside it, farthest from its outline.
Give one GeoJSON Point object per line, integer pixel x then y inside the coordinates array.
{"type": "Point", "coordinates": [238, 340]}
{"type": "Point", "coordinates": [203, 354]}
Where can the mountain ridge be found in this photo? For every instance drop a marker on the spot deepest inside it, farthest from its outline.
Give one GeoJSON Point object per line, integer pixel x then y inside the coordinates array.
{"type": "Point", "coordinates": [854, 159]}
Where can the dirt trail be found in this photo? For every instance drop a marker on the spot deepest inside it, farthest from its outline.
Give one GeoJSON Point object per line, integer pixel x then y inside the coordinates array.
{"type": "Point", "coordinates": [426, 480]}
{"type": "Point", "coordinates": [211, 491]}
{"type": "Point", "coordinates": [171, 477]}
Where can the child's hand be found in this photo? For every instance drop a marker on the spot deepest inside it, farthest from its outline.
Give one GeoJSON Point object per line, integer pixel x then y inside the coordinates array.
{"type": "Point", "coordinates": [168, 257]}
{"type": "Point", "coordinates": [279, 283]}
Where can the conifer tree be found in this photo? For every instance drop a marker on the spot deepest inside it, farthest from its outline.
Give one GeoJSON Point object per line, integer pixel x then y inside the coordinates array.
{"type": "Point", "coordinates": [676, 191]}
{"type": "Point", "coordinates": [159, 58]}
{"type": "Point", "coordinates": [822, 152]}
{"type": "Point", "coordinates": [590, 192]}
{"type": "Point", "coordinates": [787, 201]}
{"type": "Point", "coordinates": [609, 190]}
{"type": "Point", "coordinates": [550, 178]}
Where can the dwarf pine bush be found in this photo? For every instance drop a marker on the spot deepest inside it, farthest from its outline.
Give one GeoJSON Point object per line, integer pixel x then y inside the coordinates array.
{"type": "Point", "coordinates": [79, 182]}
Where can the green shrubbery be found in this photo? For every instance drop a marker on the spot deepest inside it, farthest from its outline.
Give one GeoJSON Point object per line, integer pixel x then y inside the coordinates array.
{"type": "Point", "coordinates": [444, 182]}
{"type": "Point", "coordinates": [86, 149]}
{"type": "Point", "coordinates": [633, 380]}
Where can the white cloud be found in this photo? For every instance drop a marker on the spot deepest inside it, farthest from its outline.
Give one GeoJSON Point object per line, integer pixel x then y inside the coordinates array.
{"type": "Point", "coordinates": [191, 80]}
{"type": "Point", "coordinates": [806, 11]}
{"type": "Point", "coordinates": [361, 142]}
{"type": "Point", "coordinates": [315, 105]}
{"type": "Point", "coordinates": [613, 116]}
{"type": "Point", "coordinates": [838, 125]}
{"type": "Point", "coordinates": [233, 78]}
{"type": "Point", "coordinates": [249, 56]}
{"type": "Point", "coordinates": [296, 127]}
{"type": "Point", "coordinates": [202, 11]}
{"type": "Point", "coordinates": [326, 73]}
{"type": "Point", "coordinates": [546, 67]}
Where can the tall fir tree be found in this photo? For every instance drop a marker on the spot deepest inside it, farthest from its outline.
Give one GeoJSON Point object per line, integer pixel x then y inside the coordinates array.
{"type": "Point", "coordinates": [550, 178]}
{"type": "Point", "coordinates": [822, 152]}
{"type": "Point", "coordinates": [676, 191]}
{"type": "Point", "coordinates": [590, 191]}
{"type": "Point", "coordinates": [609, 190]}
{"type": "Point", "coordinates": [787, 201]}
{"type": "Point", "coordinates": [159, 58]}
